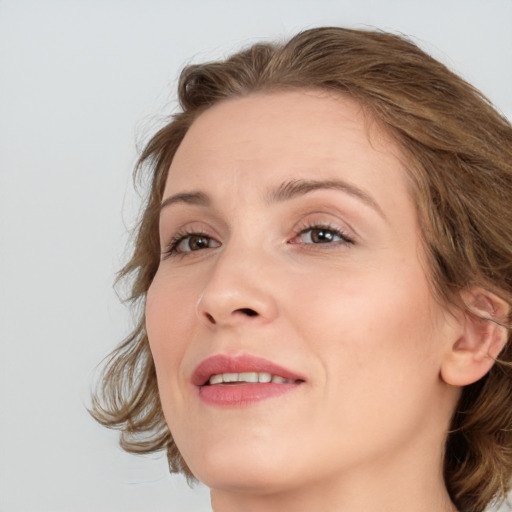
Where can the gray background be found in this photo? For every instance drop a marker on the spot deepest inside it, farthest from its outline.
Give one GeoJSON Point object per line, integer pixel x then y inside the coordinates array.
{"type": "Point", "coordinates": [80, 83]}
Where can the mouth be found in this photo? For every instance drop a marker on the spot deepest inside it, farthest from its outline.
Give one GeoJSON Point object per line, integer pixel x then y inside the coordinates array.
{"type": "Point", "coordinates": [247, 377]}
{"type": "Point", "coordinates": [236, 381]}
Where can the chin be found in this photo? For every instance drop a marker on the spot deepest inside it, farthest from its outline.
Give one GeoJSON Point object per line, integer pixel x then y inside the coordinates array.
{"type": "Point", "coordinates": [242, 467]}
{"type": "Point", "coordinates": [242, 479]}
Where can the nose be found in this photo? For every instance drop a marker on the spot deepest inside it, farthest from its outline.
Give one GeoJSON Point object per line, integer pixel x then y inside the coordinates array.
{"type": "Point", "coordinates": [239, 289]}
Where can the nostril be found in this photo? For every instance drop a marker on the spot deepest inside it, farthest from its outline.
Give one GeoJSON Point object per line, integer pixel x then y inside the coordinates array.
{"type": "Point", "coordinates": [210, 318]}
{"type": "Point", "coordinates": [248, 311]}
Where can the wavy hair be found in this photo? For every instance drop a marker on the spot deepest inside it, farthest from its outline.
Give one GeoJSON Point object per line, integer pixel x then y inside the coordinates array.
{"type": "Point", "coordinates": [458, 152]}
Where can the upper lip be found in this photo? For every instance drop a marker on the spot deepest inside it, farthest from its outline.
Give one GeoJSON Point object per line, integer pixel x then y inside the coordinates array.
{"type": "Point", "coordinates": [222, 363]}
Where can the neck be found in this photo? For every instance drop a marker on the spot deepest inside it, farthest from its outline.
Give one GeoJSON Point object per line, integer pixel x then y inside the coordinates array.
{"type": "Point", "coordinates": [385, 486]}
{"type": "Point", "coordinates": [328, 499]}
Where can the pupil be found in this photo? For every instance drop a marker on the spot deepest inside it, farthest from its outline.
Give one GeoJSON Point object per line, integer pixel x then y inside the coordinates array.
{"type": "Point", "coordinates": [321, 236]}
{"type": "Point", "coordinates": [198, 242]}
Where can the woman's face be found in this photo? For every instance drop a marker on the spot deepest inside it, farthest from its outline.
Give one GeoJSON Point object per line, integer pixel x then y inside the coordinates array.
{"type": "Point", "coordinates": [291, 252]}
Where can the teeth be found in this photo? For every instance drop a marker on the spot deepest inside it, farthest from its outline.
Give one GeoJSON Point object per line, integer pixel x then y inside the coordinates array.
{"type": "Point", "coordinates": [264, 377]}
{"type": "Point", "coordinates": [247, 377]}
{"type": "Point", "coordinates": [216, 379]}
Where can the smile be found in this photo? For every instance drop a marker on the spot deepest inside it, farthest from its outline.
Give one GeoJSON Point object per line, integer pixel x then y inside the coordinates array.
{"type": "Point", "coordinates": [226, 381]}
{"type": "Point", "coordinates": [252, 377]}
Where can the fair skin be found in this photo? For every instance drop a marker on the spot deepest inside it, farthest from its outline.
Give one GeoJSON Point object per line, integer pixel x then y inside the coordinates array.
{"type": "Point", "coordinates": [297, 242]}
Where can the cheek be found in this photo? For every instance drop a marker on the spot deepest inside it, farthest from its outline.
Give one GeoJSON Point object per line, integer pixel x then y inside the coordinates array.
{"type": "Point", "coordinates": [374, 323]}
{"type": "Point", "coordinates": [170, 315]}
{"type": "Point", "coordinates": [379, 349]}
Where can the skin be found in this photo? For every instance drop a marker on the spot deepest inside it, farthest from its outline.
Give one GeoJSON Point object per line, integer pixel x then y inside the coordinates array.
{"type": "Point", "coordinates": [354, 315]}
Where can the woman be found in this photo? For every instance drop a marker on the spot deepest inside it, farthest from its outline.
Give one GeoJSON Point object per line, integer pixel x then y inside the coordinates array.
{"type": "Point", "coordinates": [325, 261]}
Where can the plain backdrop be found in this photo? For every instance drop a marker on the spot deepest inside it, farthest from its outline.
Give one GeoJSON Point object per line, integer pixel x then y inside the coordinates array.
{"type": "Point", "coordinates": [80, 83]}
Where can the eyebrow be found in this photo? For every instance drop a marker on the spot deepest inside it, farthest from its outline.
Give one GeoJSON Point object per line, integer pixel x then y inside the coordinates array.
{"type": "Point", "coordinates": [284, 192]}
{"type": "Point", "coordinates": [295, 188]}
{"type": "Point", "coordinates": [195, 198]}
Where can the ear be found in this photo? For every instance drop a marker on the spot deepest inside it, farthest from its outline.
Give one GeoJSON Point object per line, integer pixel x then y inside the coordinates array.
{"type": "Point", "coordinates": [472, 355]}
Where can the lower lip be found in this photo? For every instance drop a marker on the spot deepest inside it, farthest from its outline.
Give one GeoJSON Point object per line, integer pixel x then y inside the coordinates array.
{"type": "Point", "coordinates": [238, 395]}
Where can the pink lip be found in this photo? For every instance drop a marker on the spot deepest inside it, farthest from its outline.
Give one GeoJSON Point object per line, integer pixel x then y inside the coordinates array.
{"type": "Point", "coordinates": [243, 393]}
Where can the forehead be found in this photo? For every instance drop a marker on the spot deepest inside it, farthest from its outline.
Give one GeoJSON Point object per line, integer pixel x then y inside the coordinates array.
{"type": "Point", "coordinates": [294, 134]}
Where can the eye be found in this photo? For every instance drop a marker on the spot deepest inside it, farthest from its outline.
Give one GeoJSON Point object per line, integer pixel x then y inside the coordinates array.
{"type": "Point", "coordinates": [321, 235]}
{"type": "Point", "coordinates": [184, 243]}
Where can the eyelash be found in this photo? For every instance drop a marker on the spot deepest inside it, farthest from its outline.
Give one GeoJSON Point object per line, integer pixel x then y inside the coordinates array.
{"type": "Point", "coordinates": [180, 236]}
{"type": "Point", "coordinates": [336, 231]}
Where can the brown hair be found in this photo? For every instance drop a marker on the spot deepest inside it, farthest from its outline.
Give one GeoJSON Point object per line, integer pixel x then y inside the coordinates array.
{"type": "Point", "coordinates": [458, 151]}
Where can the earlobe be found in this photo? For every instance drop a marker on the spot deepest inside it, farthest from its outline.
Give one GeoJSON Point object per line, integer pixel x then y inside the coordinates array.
{"type": "Point", "coordinates": [484, 335]}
